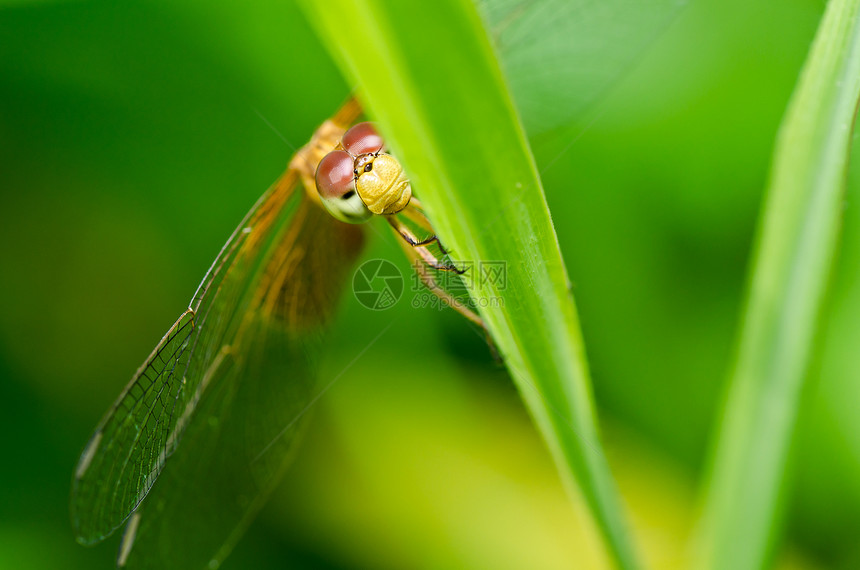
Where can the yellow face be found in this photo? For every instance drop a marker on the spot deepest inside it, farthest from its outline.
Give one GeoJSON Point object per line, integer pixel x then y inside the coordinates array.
{"type": "Point", "coordinates": [358, 179]}
{"type": "Point", "coordinates": [381, 184]}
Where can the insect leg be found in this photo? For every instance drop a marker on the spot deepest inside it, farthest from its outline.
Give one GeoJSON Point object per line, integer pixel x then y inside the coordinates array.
{"type": "Point", "coordinates": [426, 276]}
{"type": "Point", "coordinates": [423, 260]}
{"type": "Point", "coordinates": [420, 246]}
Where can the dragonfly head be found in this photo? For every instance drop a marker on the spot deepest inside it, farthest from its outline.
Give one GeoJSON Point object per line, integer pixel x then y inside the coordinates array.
{"type": "Point", "coordinates": [362, 180]}
{"type": "Point", "coordinates": [336, 186]}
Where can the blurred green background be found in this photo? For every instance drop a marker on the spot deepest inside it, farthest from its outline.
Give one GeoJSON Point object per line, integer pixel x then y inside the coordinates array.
{"type": "Point", "coordinates": [135, 137]}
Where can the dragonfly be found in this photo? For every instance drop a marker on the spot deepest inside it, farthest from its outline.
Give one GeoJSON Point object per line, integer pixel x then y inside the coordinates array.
{"type": "Point", "coordinates": [198, 439]}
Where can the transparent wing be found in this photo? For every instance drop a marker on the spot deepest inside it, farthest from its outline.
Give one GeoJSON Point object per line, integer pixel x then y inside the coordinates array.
{"type": "Point", "coordinates": [257, 281]}
{"type": "Point", "coordinates": [141, 430]}
{"type": "Point", "coordinates": [247, 423]}
{"type": "Point", "coordinates": [128, 449]}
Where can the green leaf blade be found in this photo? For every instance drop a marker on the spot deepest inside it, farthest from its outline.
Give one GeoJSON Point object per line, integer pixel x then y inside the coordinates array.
{"type": "Point", "coordinates": [798, 237]}
{"type": "Point", "coordinates": [450, 119]}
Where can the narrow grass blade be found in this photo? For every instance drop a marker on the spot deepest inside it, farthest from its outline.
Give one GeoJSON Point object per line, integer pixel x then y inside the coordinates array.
{"type": "Point", "coordinates": [428, 74]}
{"type": "Point", "coordinates": [796, 244]}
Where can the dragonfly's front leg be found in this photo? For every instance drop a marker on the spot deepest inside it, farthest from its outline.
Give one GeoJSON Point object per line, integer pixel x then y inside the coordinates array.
{"type": "Point", "coordinates": [420, 246]}
{"type": "Point", "coordinates": [424, 262]}
{"type": "Point", "coordinates": [425, 273]}
{"type": "Point", "coordinates": [430, 282]}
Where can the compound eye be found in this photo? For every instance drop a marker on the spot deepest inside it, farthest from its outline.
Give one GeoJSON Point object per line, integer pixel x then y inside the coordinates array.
{"type": "Point", "coordinates": [334, 175]}
{"type": "Point", "coordinates": [336, 186]}
{"type": "Point", "coordinates": [362, 139]}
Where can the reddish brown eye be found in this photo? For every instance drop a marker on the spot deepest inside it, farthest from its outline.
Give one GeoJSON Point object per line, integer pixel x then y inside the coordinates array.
{"type": "Point", "coordinates": [335, 178]}
{"type": "Point", "coordinates": [334, 175]}
{"type": "Point", "coordinates": [362, 139]}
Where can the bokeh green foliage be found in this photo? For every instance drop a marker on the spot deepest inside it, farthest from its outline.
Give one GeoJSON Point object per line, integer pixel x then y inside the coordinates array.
{"type": "Point", "coordinates": [797, 240]}
{"type": "Point", "coordinates": [132, 142]}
